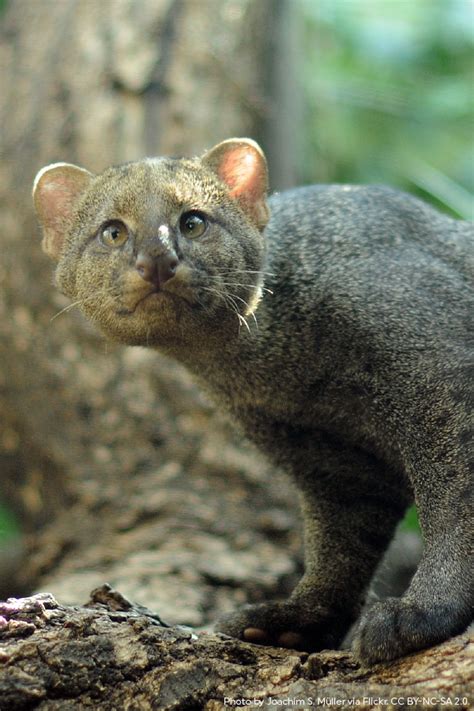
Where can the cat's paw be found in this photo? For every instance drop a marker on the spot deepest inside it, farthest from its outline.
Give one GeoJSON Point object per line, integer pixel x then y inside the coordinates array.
{"type": "Point", "coordinates": [284, 624]}
{"type": "Point", "coordinates": [395, 627]}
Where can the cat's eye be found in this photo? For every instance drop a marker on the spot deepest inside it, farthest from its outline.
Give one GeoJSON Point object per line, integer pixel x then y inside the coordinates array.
{"type": "Point", "coordinates": [193, 223]}
{"type": "Point", "coordinates": [114, 233]}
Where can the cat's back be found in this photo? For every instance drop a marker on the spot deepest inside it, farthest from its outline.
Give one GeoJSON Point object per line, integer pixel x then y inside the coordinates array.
{"type": "Point", "coordinates": [373, 257]}
{"type": "Point", "coordinates": [354, 220]}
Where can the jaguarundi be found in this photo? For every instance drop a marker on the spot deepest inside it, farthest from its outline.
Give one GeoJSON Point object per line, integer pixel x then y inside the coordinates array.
{"type": "Point", "coordinates": [335, 323]}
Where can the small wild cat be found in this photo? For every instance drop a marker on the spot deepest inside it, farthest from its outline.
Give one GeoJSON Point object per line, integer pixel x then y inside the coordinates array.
{"type": "Point", "coordinates": [354, 372]}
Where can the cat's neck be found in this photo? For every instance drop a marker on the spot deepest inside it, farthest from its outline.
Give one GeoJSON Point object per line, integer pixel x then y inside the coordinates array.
{"type": "Point", "coordinates": [228, 348]}
{"type": "Point", "coordinates": [206, 346]}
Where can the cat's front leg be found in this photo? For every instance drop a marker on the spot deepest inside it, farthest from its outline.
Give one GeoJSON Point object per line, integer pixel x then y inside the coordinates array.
{"type": "Point", "coordinates": [349, 518]}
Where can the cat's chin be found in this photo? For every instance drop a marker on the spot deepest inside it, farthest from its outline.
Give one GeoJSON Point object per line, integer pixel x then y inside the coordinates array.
{"type": "Point", "coordinates": [153, 320]}
{"type": "Point", "coordinates": [153, 337]}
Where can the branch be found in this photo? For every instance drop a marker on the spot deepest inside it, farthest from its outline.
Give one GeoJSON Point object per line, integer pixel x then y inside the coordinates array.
{"type": "Point", "coordinates": [112, 654]}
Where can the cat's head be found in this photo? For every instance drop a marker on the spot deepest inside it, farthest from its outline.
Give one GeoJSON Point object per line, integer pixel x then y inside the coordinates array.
{"type": "Point", "coordinates": [155, 248]}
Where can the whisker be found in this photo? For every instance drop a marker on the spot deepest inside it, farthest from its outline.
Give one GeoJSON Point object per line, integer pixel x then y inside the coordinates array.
{"type": "Point", "coordinates": [234, 296]}
{"type": "Point", "coordinates": [81, 302]}
{"type": "Point", "coordinates": [230, 299]}
{"type": "Point", "coordinates": [235, 283]}
{"type": "Point", "coordinates": [229, 272]}
{"type": "Point", "coordinates": [65, 309]}
{"type": "Point", "coordinates": [242, 319]}
{"type": "Point", "coordinates": [232, 283]}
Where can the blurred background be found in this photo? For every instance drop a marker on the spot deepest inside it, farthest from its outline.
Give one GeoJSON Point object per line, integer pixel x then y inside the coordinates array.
{"type": "Point", "coordinates": [355, 91]}
{"type": "Point", "coordinates": [387, 91]}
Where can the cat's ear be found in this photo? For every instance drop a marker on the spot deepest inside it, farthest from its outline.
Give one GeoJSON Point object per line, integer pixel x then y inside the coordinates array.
{"type": "Point", "coordinates": [241, 165]}
{"type": "Point", "coordinates": [56, 190]}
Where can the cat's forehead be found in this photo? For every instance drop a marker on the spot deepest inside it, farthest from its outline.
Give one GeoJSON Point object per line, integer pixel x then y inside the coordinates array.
{"type": "Point", "coordinates": [167, 182]}
{"type": "Point", "coordinates": [152, 191]}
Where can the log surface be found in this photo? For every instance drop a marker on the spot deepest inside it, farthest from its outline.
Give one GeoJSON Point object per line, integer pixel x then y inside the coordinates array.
{"type": "Point", "coordinates": [111, 654]}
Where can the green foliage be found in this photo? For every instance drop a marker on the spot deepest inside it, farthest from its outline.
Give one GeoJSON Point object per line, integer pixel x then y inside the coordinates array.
{"type": "Point", "coordinates": [388, 95]}
{"type": "Point", "coordinates": [8, 525]}
{"type": "Point", "coordinates": [410, 522]}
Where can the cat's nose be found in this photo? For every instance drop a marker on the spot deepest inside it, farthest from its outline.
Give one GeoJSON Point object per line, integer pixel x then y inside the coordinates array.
{"type": "Point", "coordinates": [157, 269]}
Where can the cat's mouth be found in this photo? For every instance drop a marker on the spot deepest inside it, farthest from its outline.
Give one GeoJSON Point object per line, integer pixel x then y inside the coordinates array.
{"type": "Point", "coordinates": [154, 297]}
{"type": "Point", "coordinates": [154, 294]}
{"type": "Point", "coordinates": [138, 295]}
{"type": "Point", "coordinates": [159, 296]}
{"type": "Point", "coordinates": [133, 303]}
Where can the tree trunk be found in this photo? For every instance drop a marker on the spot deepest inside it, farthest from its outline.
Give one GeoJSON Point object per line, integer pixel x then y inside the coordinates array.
{"type": "Point", "coordinates": [116, 465]}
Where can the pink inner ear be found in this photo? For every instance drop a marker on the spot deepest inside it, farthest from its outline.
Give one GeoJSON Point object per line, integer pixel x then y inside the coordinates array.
{"type": "Point", "coordinates": [56, 195]}
{"type": "Point", "coordinates": [239, 170]}
{"type": "Point", "coordinates": [56, 200]}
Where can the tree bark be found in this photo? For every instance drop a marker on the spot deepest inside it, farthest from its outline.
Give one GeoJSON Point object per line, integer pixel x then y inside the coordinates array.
{"type": "Point", "coordinates": [116, 465]}
{"type": "Point", "coordinates": [111, 655]}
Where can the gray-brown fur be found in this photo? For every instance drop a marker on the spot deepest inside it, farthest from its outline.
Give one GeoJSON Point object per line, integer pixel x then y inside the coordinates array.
{"type": "Point", "coordinates": [353, 371]}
